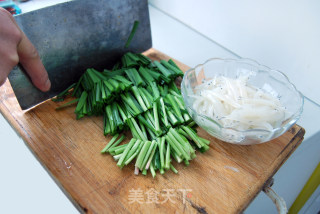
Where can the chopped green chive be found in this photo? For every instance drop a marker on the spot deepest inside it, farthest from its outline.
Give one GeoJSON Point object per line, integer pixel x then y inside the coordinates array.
{"type": "Point", "coordinates": [140, 96]}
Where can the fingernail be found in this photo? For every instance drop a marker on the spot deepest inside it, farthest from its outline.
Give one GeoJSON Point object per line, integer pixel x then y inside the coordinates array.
{"type": "Point", "coordinates": [47, 85]}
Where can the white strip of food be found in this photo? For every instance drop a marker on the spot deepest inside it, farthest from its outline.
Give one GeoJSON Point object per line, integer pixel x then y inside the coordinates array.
{"type": "Point", "coordinates": [236, 104]}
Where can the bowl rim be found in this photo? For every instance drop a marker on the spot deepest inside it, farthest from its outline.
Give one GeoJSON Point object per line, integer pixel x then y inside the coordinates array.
{"type": "Point", "coordinates": [295, 116]}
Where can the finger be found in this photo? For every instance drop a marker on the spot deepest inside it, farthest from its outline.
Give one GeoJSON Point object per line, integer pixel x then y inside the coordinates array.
{"type": "Point", "coordinates": [9, 58]}
{"type": "Point", "coordinates": [6, 65]}
{"type": "Point", "coordinates": [30, 60]}
{"type": "Point", "coordinates": [9, 36]}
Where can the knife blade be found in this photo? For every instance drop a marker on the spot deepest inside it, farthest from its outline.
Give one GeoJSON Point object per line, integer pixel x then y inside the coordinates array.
{"type": "Point", "coordinates": [73, 36]}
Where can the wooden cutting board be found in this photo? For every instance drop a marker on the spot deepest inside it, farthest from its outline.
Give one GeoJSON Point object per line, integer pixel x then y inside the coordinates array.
{"type": "Point", "coordinates": [223, 180]}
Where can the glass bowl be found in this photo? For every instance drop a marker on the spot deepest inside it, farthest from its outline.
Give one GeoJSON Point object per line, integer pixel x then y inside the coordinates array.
{"type": "Point", "coordinates": [261, 77]}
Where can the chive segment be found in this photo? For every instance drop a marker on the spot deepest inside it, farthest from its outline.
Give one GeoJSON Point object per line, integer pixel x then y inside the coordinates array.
{"type": "Point", "coordinates": [110, 143]}
{"type": "Point", "coordinates": [133, 31]}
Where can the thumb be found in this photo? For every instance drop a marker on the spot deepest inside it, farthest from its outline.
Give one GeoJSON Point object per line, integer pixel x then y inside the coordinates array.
{"type": "Point", "coordinates": [30, 60]}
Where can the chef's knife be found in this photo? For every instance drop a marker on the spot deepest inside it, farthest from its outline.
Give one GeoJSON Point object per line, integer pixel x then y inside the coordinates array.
{"type": "Point", "coordinates": [76, 35]}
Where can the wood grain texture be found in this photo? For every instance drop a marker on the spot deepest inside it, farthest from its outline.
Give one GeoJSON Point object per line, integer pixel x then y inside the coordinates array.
{"type": "Point", "coordinates": [223, 180]}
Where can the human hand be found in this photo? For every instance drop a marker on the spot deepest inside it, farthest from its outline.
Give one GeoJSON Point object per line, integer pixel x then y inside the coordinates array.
{"type": "Point", "coordinates": [16, 48]}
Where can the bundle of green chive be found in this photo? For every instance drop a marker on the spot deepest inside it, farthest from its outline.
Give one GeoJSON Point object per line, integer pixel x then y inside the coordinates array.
{"type": "Point", "coordinates": [139, 95]}
{"type": "Point", "coordinates": [142, 96]}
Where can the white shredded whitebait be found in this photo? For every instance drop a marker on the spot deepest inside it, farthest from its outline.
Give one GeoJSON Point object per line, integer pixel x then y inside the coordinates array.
{"type": "Point", "coordinates": [236, 104]}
